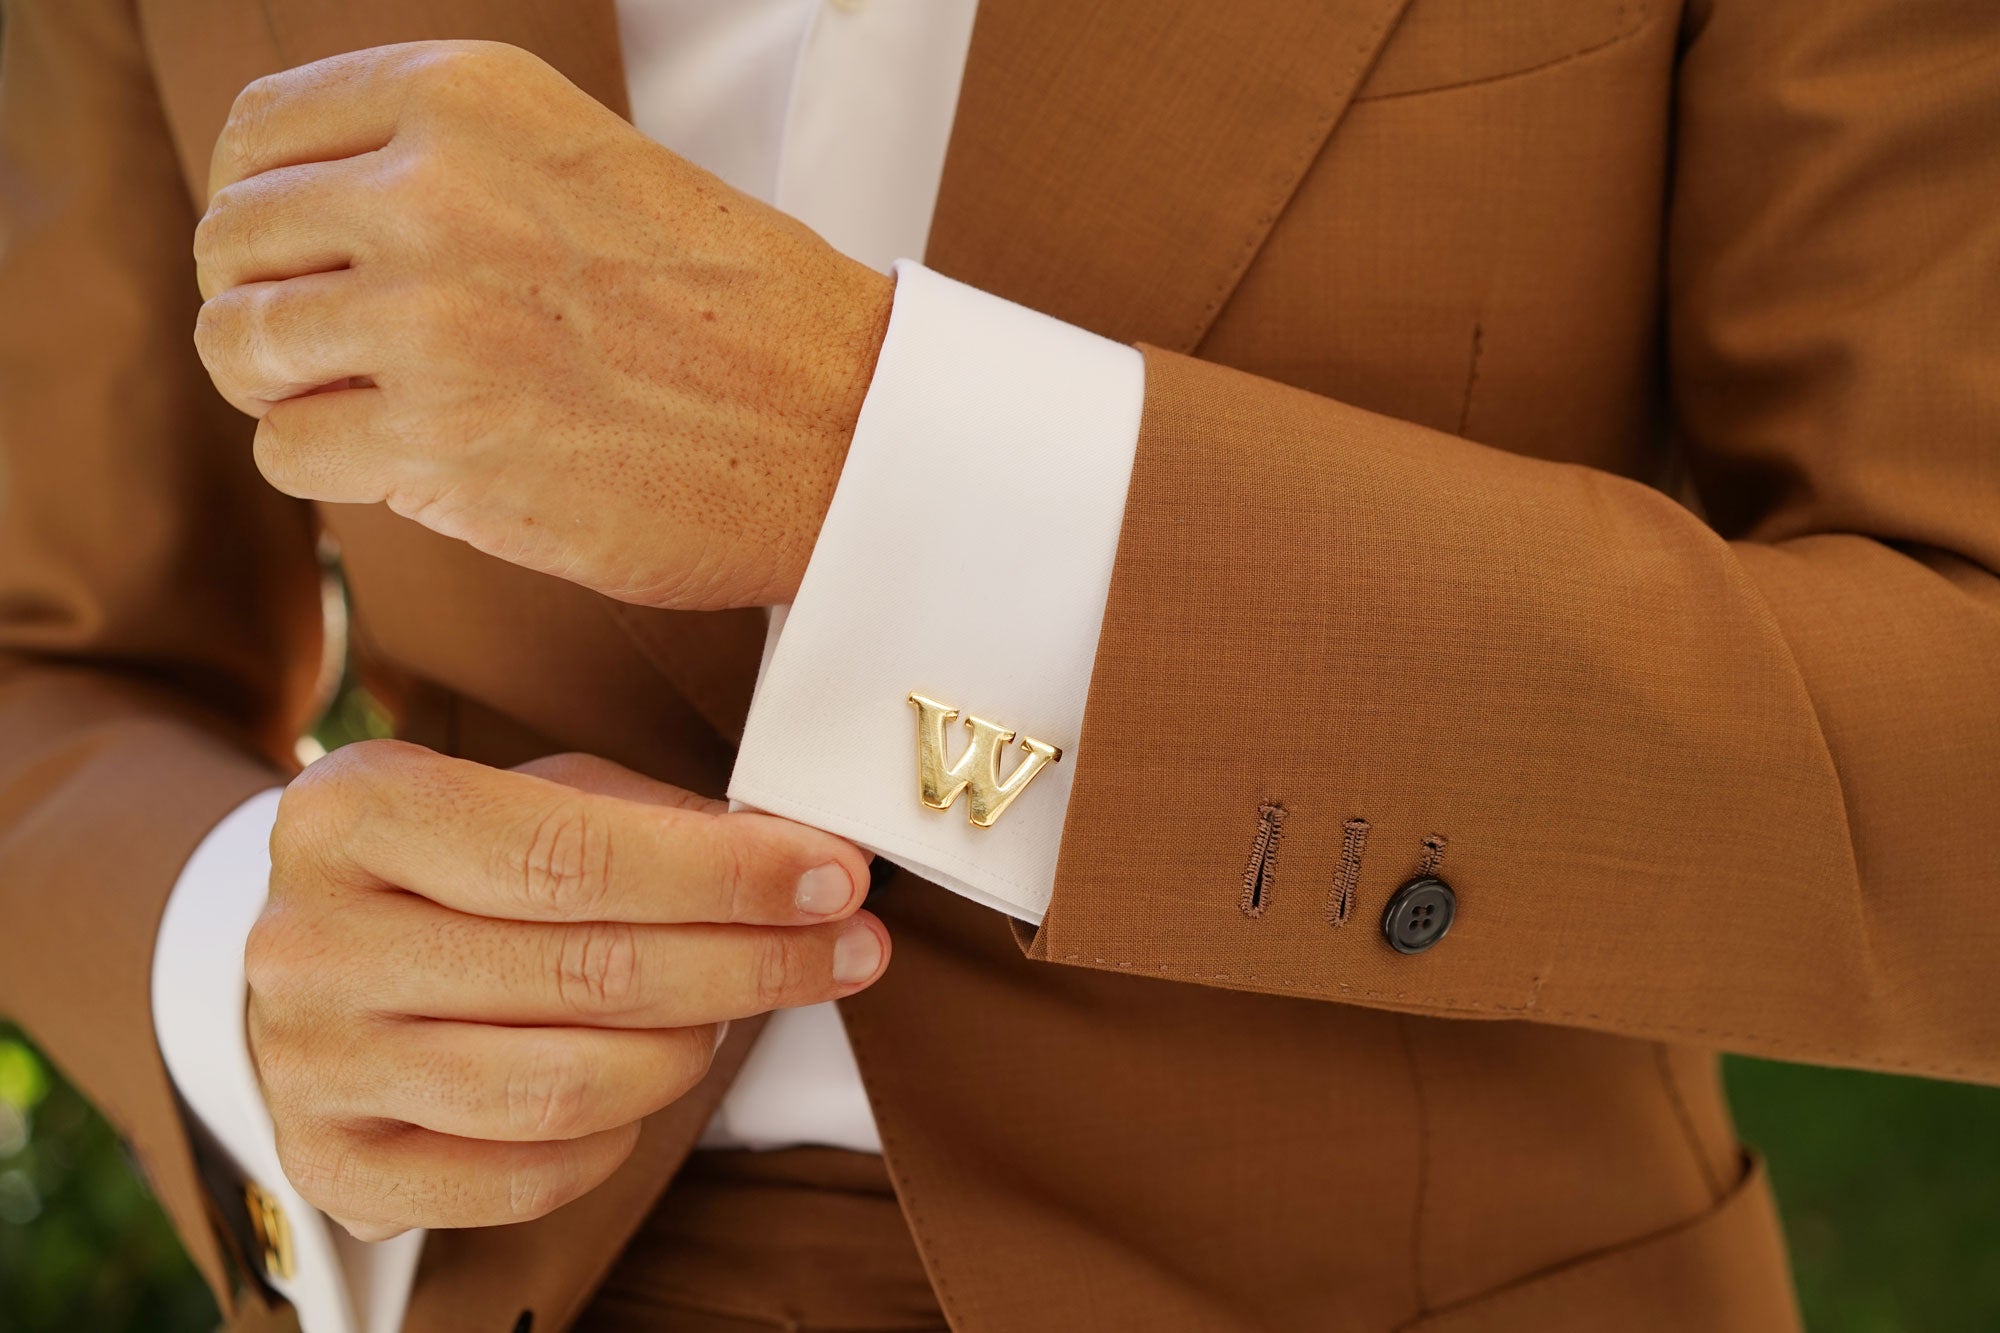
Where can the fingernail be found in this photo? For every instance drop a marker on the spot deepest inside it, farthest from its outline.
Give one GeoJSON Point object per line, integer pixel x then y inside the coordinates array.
{"type": "Point", "coordinates": [856, 955]}
{"type": "Point", "coordinates": [824, 890]}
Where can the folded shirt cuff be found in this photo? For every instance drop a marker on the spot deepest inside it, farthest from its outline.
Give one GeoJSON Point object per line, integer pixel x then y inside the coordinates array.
{"type": "Point", "coordinates": [966, 557]}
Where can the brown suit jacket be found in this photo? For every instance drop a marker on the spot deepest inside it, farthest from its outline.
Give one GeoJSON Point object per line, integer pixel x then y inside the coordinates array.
{"type": "Point", "coordinates": [1569, 439]}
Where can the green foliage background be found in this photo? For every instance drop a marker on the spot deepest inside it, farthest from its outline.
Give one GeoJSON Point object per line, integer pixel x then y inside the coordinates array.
{"type": "Point", "coordinates": [1890, 1189]}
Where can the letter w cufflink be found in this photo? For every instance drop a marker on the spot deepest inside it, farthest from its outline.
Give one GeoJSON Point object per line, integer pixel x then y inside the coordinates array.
{"type": "Point", "coordinates": [978, 768]}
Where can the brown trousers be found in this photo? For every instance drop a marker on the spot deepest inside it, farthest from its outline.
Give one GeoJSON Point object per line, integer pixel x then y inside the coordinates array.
{"type": "Point", "coordinates": [809, 1240]}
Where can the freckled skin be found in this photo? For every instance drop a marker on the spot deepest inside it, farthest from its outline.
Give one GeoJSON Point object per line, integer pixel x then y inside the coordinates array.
{"type": "Point", "coordinates": [444, 279]}
{"type": "Point", "coordinates": [458, 990]}
{"type": "Point", "coordinates": [563, 344]}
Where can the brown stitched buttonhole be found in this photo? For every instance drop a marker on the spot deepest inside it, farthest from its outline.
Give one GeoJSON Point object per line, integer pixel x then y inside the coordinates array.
{"type": "Point", "coordinates": [1259, 873]}
{"type": "Point", "coordinates": [1433, 856]}
{"type": "Point", "coordinates": [1340, 899]}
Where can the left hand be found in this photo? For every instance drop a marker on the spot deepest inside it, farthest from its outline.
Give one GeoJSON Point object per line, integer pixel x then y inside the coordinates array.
{"type": "Point", "coordinates": [445, 279]}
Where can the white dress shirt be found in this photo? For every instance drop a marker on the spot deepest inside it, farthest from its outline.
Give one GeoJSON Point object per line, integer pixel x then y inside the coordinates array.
{"type": "Point", "coordinates": [988, 430]}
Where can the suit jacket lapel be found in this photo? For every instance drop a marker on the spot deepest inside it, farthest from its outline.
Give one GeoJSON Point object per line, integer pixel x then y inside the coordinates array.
{"type": "Point", "coordinates": [1117, 163]}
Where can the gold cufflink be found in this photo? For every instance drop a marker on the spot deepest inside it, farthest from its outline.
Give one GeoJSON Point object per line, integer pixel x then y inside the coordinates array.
{"type": "Point", "coordinates": [273, 1232]}
{"type": "Point", "coordinates": [978, 769]}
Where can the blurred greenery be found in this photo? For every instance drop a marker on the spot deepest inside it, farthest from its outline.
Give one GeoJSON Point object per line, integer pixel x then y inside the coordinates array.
{"type": "Point", "coordinates": [1890, 1189]}
{"type": "Point", "coordinates": [82, 1246]}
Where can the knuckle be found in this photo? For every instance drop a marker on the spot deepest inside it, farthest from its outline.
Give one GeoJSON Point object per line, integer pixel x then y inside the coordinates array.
{"type": "Point", "coordinates": [235, 222]}
{"type": "Point", "coordinates": [295, 956]}
{"type": "Point", "coordinates": [696, 1054]}
{"type": "Point", "coordinates": [248, 114]}
{"type": "Point", "coordinates": [314, 789]}
{"type": "Point", "coordinates": [296, 1017]}
{"type": "Point", "coordinates": [246, 128]}
{"type": "Point", "coordinates": [277, 330]}
{"type": "Point", "coordinates": [312, 813]}
{"type": "Point", "coordinates": [733, 869]}
{"type": "Point", "coordinates": [302, 859]}
{"type": "Point", "coordinates": [598, 969]}
{"type": "Point", "coordinates": [277, 461]}
{"type": "Point", "coordinates": [413, 178]}
{"type": "Point", "coordinates": [565, 870]}
{"type": "Point", "coordinates": [346, 776]}
{"type": "Point", "coordinates": [241, 337]}
{"type": "Point", "coordinates": [536, 1189]}
{"type": "Point", "coordinates": [269, 954]}
{"type": "Point", "coordinates": [253, 103]}
{"type": "Point", "coordinates": [450, 74]}
{"type": "Point", "coordinates": [324, 1165]}
{"type": "Point", "coordinates": [214, 224]}
{"type": "Point", "coordinates": [548, 1094]}
{"type": "Point", "coordinates": [261, 328]}
{"type": "Point", "coordinates": [273, 1053]}
{"type": "Point", "coordinates": [291, 1073]}
{"type": "Point", "coordinates": [213, 333]}
{"type": "Point", "coordinates": [542, 1181]}
{"type": "Point", "coordinates": [782, 969]}
{"type": "Point", "coordinates": [321, 806]}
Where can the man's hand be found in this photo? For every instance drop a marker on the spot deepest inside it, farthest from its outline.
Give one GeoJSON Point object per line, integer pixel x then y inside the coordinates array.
{"type": "Point", "coordinates": [470, 984]}
{"type": "Point", "coordinates": [444, 278]}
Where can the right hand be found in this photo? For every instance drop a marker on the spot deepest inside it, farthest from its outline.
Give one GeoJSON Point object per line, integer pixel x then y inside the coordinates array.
{"type": "Point", "coordinates": [470, 984]}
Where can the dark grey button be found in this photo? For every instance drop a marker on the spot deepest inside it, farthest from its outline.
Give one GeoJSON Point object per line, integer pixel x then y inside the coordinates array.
{"type": "Point", "coordinates": [1419, 914]}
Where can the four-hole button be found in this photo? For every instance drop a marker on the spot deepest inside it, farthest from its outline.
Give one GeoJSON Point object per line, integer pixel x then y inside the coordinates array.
{"type": "Point", "coordinates": [1419, 914]}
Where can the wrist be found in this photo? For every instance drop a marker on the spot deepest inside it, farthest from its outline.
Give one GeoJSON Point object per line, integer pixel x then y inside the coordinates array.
{"type": "Point", "coordinates": [851, 349]}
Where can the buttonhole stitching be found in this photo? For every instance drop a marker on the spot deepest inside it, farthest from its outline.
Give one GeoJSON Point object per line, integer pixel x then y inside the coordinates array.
{"type": "Point", "coordinates": [1262, 868]}
{"type": "Point", "coordinates": [1340, 899]}
{"type": "Point", "coordinates": [1433, 856]}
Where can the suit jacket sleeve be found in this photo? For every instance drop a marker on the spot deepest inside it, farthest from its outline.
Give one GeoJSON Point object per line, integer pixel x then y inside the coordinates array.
{"type": "Point", "coordinates": [159, 619]}
{"type": "Point", "coordinates": [1729, 781]}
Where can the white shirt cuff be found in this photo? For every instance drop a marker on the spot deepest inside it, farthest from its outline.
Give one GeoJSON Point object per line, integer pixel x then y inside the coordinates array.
{"type": "Point", "coordinates": [338, 1284]}
{"type": "Point", "coordinates": [966, 556]}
